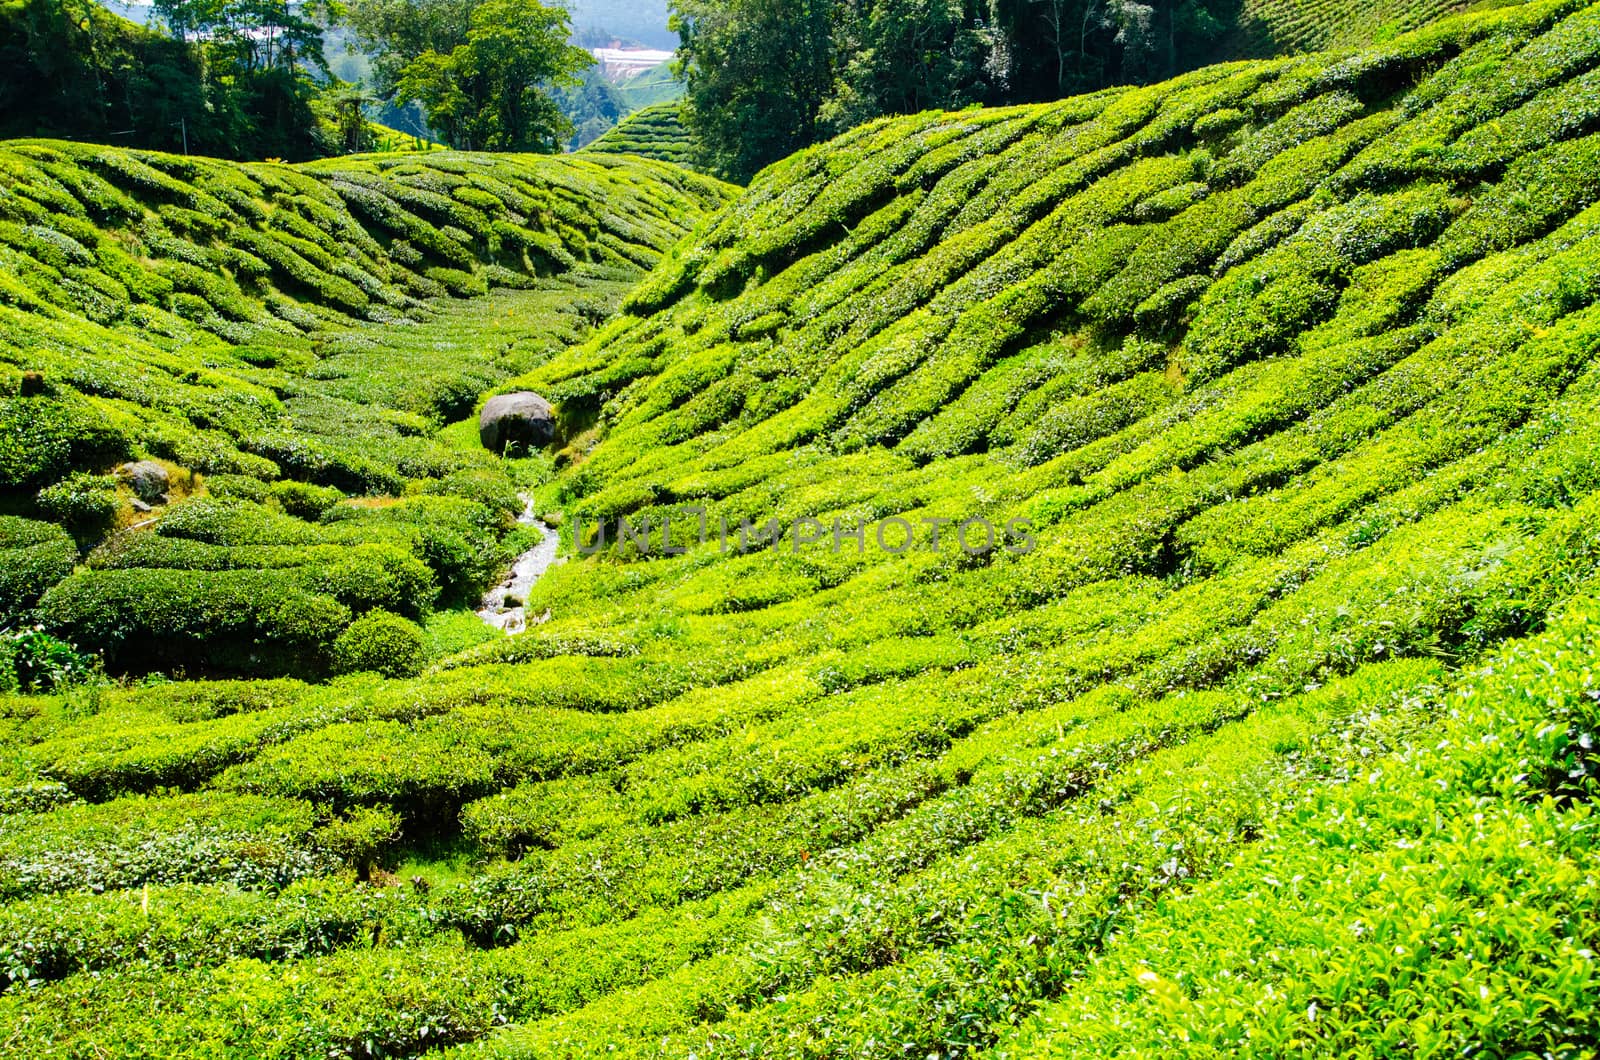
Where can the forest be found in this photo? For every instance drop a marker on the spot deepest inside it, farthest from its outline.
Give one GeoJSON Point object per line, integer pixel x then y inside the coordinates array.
{"type": "Point", "coordinates": [249, 79]}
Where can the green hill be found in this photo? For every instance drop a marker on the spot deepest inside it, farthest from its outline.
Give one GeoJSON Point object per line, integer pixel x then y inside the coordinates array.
{"type": "Point", "coordinates": [1268, 27]}
{"type": "Point", "coordinates": [290, 334]}
{"type": "Point", "coordinates": [1263, 726]}
{"type": "Point", "coordinates": [653, 88]}
{"type": "Point", "coordinates": [655, 132]}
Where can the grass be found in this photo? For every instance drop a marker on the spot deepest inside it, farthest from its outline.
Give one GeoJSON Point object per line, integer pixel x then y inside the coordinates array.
{"type": "Point", "coordinates": [1278, 740]}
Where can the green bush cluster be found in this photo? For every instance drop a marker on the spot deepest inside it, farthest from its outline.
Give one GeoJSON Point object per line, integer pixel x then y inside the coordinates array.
{"type": "Point", "coordinates": [85, 505]}
{"type": "Point", "coordinates": [254, 590]}
{"type": "Point", "coordinates": [1287, 26]}
{"type": "Point", "coordinates": [31, 660]}
{"type": "Point", "coordinates": [240, 622]}
{"type": "Point", "coordinates": [34, 556]}
{"type": "Point", "coordinates": [44, 438]}
{"type": "Point", "coordinates": [249, 842]}
{"type": "Point", "coordinates": [303, 500]}
{"type": "Point", "coordinates": [380, 642]}
{"type": "Point", "coordinates": [1451, 847]}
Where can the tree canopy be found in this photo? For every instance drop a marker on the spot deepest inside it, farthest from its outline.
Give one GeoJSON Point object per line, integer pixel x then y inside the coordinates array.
{"type": "Point", "coordinates": [484, 70]}
{"type": "Point", "coordinates": [767, 77]}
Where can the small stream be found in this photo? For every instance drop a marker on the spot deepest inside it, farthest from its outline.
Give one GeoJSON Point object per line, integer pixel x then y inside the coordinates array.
{"type": "Point", "coordinates": [529, 568]}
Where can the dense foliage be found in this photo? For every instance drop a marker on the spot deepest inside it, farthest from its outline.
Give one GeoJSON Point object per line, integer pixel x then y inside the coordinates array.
{"type": "Point", "coordinates": [1279, 741]}
{"type": "Point", "coordinates": [484, 70]}
{"type": "Point", "coordinates": [241, 79]}
{"type": "Point", "coordinates": [75, 68]}
{"type": "Point", "coordinates": [768, 77]}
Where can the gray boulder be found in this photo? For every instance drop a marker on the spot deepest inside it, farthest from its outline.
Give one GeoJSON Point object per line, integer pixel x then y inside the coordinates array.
{"type": "Point", "coordinates": [148, 479]}
{"type": "Point", "coordinates": [524, 420]}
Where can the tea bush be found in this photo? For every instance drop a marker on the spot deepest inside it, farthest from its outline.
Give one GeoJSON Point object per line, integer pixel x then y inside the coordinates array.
{"type": "Point", "coordinates": [380, 642]}
{"type": "Point", "coordinates": [33, 556]}
{"type": "Point", "coordinates": [303, 500]}
{"type": "Point", "coordinates": [241, 622]}
{"type": "Point", "coordinates": [250, 842]}
{"type": "Point", "coordinates": [85, 505]}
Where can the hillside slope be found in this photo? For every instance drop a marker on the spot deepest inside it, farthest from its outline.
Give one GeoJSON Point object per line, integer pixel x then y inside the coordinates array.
{"type": "Point", "coordinates": [1278, 27]}
{"type": "Point", "coordinates": [146, 254]}
{"type": "Point", "coordinates": [294, 334]}
{"type": "Point", "coordinates": [657, 131]}
{"type": "Point", "coordinates": [1264, 726]}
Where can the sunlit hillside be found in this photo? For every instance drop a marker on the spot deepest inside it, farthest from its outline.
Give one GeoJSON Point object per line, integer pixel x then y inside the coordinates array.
{"type": "Point", "coordinates": [292, 335]}
{"type": "Point", "coordinates": [1132, 585]}
{"type": "Point", "coordinates": [654, 132]}
{"type": "Point", "coordinates": [1285, 26]}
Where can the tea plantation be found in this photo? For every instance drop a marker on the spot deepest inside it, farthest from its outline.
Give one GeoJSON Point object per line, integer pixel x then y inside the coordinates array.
{"type": "Point", "coordinates": [1277, 26]}
{"type": "Point", "coordinates": [281, 338]}
{"type": "Point", "coordinates": [655, 132]}
{"type": "Point", "coordinates": [1263, 725]}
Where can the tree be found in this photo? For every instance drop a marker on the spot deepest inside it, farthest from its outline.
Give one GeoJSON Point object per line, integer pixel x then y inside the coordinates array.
{"type": "Point", "coordinates": [397, 32]}
{"type": "Point", "coordinates": [248, 36]}
{"type": "Point", "coordinates": [345, 106]}
{"type": "Point", "coordinates": [768, 77]}
{"type": "Point", "coordinates": [758, 73]}
{"type": "Point", "coordinates": [485, 85]}
{"type": "Point", "coordinates": [519, 50]}
{"type": "Point", "coordinates": [71, 68]}
{"type": "Point", "coordinates": [262, 60]}
{"type": "Point", "coordinates": [905, 56]}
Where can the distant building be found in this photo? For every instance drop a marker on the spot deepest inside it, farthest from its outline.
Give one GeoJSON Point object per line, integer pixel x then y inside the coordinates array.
{"type": "Point", "coordinates": [621, 63]}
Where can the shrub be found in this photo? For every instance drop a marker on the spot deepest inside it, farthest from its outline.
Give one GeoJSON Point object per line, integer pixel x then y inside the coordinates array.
{"type": "Point", "coordinates": [360, 838]}
{"type": "Point", "coordinates": [246, 840]}
{"type": "Point", "coordinates": [31, 660]}
{"type": "Point", "coordinates": [487, 487]}
{"type": "Point", "coordinates": [383, 643]}
{"type": "Point", "coordinates": [33, 556]}
{"type": "Point", "coordinates": [51, 937]}
{"type": "Point", "coordinates": [220, 521]}
{"type": "Point", "coordinates": [237, 487]}
{"type": "Point", "coordinates": [459, 539]}
{"type": "Point", "coordinates": [242, 622]}
{"type": "Point", "coordinates": [368, 577]}
{"type": "Point", "coordinates": [44, 438]}
{"type": "Point", "coordinates": [85, 504]}
{"type": "Point", "coordinates": [304, 501]}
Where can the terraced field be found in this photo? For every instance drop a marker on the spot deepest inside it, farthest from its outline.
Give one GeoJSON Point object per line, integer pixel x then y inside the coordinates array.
{"type": "Point", "coordinates": [286, 336]}
{"type": "Point", "coordinates": [1265, 728]}
{"type": "Point", "coordinates": [655, 132]}
{"type": "Point", "coordinates": [1275, 27]}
